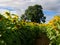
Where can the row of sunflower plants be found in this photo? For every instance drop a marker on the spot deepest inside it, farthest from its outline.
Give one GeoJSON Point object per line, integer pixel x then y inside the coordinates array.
{"type": "Point", "coordinates": [8, 29]}
{"type": "Point", "coordinates": [16, 32]}
{"type": "Point", "coordinates": [53, 30]}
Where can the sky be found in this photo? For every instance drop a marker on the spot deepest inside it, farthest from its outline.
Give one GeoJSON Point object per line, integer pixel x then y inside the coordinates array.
{"type": "Point", "coordinates": [50, 7]}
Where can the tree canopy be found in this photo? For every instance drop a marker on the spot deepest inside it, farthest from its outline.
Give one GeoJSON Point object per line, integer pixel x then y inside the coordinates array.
{"type": "Point", "coordinates": [34, 13]}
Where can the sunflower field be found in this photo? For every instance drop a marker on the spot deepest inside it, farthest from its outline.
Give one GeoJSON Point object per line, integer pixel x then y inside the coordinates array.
{"type": "Point", "coordinates": [13, 31]}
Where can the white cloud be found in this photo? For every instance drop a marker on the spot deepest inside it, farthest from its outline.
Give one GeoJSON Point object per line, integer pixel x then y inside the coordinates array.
{"type": "Point", "coordinates": [21, 5]}
{"type": "Point", "coordinates": [4, 10]}
{"type": "Point", "coordinates": [5, 0]}
{"type": "Point", "coordinates": [53, 5]}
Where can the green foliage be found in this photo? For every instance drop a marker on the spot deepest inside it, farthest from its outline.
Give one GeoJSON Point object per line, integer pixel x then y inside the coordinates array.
{"type": "Point", "coordinates": [34, 13]}
{"type": "Point", "coordinates": [15, 32]}
{"type": "Point", "coordinates": [8, 35]}
{"type": "Point", "coordinates": [53, 31]}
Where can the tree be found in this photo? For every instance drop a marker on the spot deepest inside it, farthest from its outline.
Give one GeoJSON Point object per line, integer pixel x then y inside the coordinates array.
{"type": "Point", "coordinates": [34, 13]}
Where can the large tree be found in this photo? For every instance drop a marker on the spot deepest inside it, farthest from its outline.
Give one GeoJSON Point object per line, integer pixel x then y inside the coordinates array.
{"type": "Point", "coordinates": [34, 13]}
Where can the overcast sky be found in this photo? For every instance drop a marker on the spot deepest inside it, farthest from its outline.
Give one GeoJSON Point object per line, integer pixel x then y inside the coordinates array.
{"type": "Point", "coordinates": [50, 7]}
